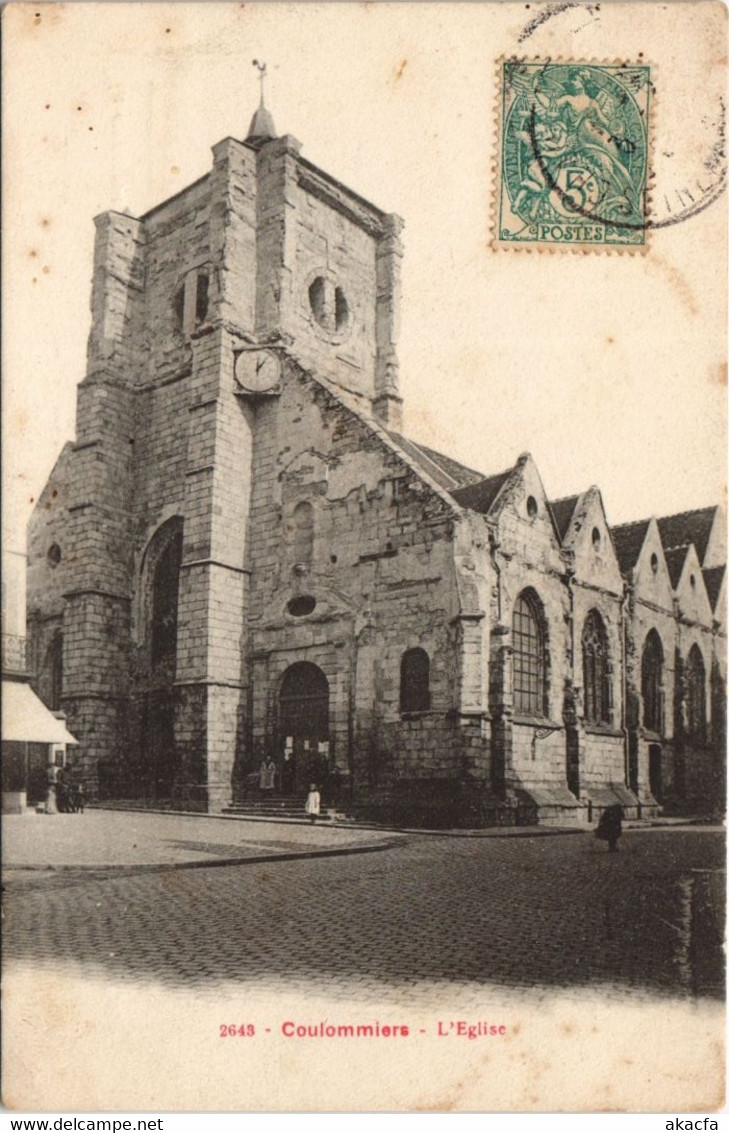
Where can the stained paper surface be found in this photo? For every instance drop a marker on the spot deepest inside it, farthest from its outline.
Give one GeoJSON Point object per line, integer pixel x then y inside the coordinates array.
{"type": "Point", "coordinates": [609, 369]}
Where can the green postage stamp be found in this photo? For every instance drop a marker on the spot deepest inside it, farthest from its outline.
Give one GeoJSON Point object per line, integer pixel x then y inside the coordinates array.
{"type": "Point", "coordinates": [573, 160]}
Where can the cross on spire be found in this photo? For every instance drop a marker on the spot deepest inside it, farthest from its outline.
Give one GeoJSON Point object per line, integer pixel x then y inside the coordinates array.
{"type": "Point", "coordinates": [261, 129]}
{"type": "Point", "coordinates": [262, 76]}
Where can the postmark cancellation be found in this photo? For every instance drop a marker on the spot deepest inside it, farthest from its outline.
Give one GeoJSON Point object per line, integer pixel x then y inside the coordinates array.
{"type": "Point", "coordinates": [573, 159]}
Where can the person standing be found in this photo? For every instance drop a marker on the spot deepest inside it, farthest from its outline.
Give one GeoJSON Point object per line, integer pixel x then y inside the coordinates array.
{"type": "Point", "coordinates": [51, 806]}
{"type": "Point", "coordinates": [610, 826]}
{"type": "Point", "coordinates": [269, 775]}
{"type": "Point", "coordinates": [63, 794]}
{"type": "Point", "coordinates": [313, 803]}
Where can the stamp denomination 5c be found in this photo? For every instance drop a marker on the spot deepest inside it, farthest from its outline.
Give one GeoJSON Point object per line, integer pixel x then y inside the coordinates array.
{"type": "Point", "coordinates": [573, 161]}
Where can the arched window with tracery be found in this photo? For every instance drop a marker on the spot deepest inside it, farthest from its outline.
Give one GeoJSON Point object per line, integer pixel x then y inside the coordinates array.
{"type": "Point", "coordinates": [652, 682]}
{"type": "Point", "coordinates": [303, 533]}
{"type": "Point", "coordinates": [530, 660]}
{"type": "Point", "coordinates": [164, 596]}
{"type": "Point", "coordinates": [595, 671]}
{"type": "Point", "coordinates": [695, 673]}
{"type": "Point", "coordinates": [415, 681]}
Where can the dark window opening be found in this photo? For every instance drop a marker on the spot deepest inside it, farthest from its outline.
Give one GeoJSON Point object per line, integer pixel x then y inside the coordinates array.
{"type": "Point", "coordinates": [301, 605]}
{"type": "Point", "coordinates": [54, 555]}
{"type": "Point", "coordinates": [530, 687]}
{"type": "Point", "coordinates": [415, 681]}
{"type": "Point", "coordinates": [192, 301]}
{"type": "Point", "coordinates": [179, 305]}
{"type": "Point", "coordinates": [652, 682]}
{"type": "Point", "coordinates": [341, 309]}
{"type": "Point", "coordinates": [596, 538]}
{"type": "Point", "coordinates": [165, 586]}
{"type": "Point", "coordinates": [317, 300]}
{"type": "Point", "coordinates": [201, 299]}
{"type": "Point", "coordinates": [532, 507]}
{"type": "Point", "coordinates": [328, 304]}
{"type": "Point", "coordinates": [595, 670]}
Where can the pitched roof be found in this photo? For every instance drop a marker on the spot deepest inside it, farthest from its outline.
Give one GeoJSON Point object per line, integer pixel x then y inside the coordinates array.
{"type": "Point", "coordinates": [628, 540]}
{"type": "Point", "coordinates": [713, 578]}
{"type": "Point", "coordinates": [434, 467]}
{"type": "Point", "coordinates": [688, 527]}
{"type": "Point", "coordinates": [481, 496]}
{"type": "Point", "coordinates": [454, 468]}
{"type": "Point", "coordinates": [675, 558]}
{"type": "Point", "coordinates": [563, 510]}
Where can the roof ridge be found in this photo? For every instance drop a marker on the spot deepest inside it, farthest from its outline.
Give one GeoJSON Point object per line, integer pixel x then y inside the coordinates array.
{"type": "Point", "coordinates": [379, 430]}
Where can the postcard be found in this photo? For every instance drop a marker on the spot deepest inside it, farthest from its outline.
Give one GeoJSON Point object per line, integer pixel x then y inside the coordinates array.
{"type": "Point", "coordinates": [364, 627]}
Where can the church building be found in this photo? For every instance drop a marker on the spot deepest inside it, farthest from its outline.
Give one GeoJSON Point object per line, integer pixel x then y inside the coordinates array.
{"type": "Point", "coordinates": [241, 559]}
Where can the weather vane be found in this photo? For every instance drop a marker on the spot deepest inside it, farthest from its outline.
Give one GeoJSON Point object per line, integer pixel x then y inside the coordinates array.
{"type": "Point", "coordinates": [261, 74]}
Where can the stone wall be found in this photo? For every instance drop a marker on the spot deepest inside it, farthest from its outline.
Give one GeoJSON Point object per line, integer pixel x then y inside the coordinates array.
{"type": "Point", "coordinates": [382, 571]}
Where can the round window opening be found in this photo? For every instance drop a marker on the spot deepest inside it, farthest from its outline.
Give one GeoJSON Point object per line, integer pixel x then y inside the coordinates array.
{"type": "Point", "coordinates": [329, 305]}
{"type": "Point", "coordinates": [532, 507]}
{"type": "Point", "coordinates": [301, 606]}
{"type": "Point", "coordinates": [54, 554]}
{"type": "Point", "coordinates": [654, 563]}
{"type": "Point", "coordinates": [596, 538]}
{"type": "Point", "coordinates": [341, 309]}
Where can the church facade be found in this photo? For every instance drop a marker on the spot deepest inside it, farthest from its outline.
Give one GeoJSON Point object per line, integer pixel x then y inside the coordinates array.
{"type": "Point", "coordinates": [242, 559]}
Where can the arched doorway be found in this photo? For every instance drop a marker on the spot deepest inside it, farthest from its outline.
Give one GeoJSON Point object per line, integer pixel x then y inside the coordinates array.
{"type": "Point", "coordinates": [303, 729]}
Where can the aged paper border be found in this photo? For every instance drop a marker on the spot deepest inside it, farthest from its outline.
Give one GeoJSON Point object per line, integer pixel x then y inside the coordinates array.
{"type": "Point", "coordinates": [653, 1057]}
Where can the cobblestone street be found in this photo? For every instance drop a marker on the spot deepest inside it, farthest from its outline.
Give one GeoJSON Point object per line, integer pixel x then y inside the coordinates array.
{"type": "Point", "coordinates": [533, 912]}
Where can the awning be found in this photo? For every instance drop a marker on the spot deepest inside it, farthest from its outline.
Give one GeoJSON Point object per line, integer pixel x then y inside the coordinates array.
{"type": "Point", "coordinates": [26, 718]}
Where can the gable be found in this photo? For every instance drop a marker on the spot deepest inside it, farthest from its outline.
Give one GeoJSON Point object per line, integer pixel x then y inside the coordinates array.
{"type": "Point", "coordinates": [693, 601]}
{"type": "Point", "coordinates": [54, 496]}
{"type": "Point", "coordinates": [523, 516]}
{"type": "Point", "coordinates": [588, 537]}
{"type": "Point", "coordinates": [652, 580]}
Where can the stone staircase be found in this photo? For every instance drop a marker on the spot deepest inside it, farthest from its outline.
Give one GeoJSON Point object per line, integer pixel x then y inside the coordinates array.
{"type": "Point", "coordinates": [278, 806]}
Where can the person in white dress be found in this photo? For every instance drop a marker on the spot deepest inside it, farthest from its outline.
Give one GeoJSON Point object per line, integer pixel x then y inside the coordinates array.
{"type": "Point", "coordinates": [313, 802]}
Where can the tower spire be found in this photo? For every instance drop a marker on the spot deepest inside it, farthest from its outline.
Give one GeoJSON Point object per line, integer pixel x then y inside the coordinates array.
{"type": "Point", "coordinates": [261, 129]}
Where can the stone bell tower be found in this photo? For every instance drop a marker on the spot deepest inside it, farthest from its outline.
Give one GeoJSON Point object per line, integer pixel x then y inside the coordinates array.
{"type": "Point", "coordinates": [328, 271]}
{"type": "Point", "coordinates": [139, 567]}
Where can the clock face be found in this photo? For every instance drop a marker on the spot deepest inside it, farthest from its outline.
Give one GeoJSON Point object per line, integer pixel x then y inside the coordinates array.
{"type": "Point", "coordinates": [258, 371]}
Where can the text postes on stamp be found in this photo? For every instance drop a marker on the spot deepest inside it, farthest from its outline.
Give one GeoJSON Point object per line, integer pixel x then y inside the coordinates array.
{"type": "Point", "coordinates": [573, 160]}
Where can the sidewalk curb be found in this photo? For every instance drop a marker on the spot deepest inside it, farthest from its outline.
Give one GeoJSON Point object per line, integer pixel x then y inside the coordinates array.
{"type": "Point", "coordinates": [162, 867]}
{"type": "Point", "coordinates": [474, 832]}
